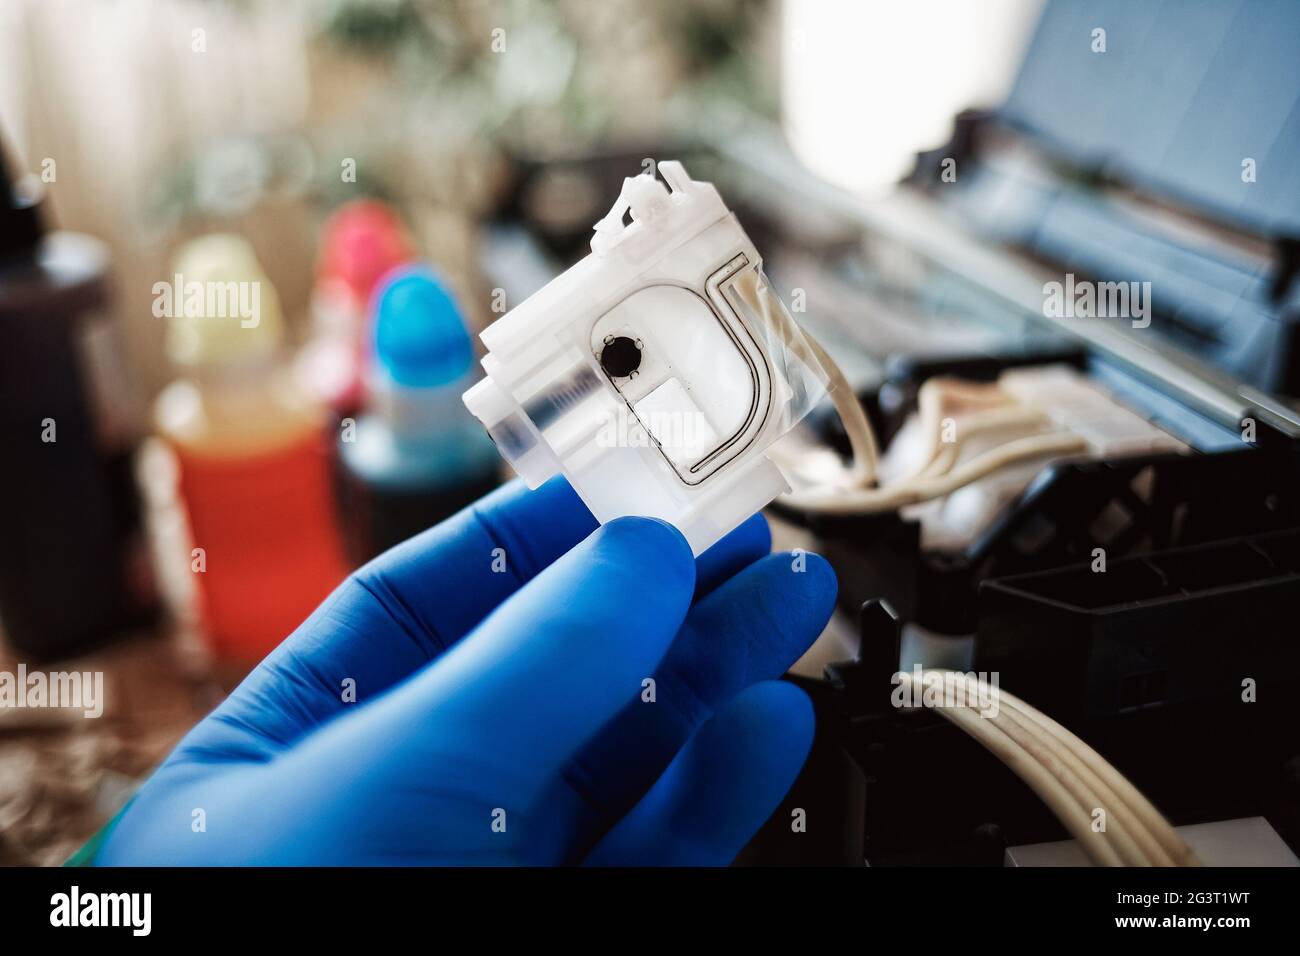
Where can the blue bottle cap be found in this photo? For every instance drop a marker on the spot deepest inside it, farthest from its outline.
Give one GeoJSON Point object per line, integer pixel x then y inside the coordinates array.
{"type": "Point", "coordinates": [420, 338]}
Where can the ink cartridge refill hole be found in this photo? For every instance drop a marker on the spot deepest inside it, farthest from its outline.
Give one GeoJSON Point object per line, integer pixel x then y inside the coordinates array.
{"type": "Point", "coordinates": [620, 357]}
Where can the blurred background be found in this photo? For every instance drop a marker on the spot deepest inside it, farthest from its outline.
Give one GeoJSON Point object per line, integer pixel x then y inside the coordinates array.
{"type": "Point", "coordinates": [246, 247]}
{"type": "Point", "coordinates": [157, 141]}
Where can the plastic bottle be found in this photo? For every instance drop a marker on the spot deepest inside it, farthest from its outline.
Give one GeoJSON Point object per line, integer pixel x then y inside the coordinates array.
{"type": "Point", "coordinates": [74, 568]}
{"type": "Point", "coordinates": [252, 454]}
{"type": "Point", "coordinates": [418, 456]}
{"type": "Point", "coordinates": [361, 241]}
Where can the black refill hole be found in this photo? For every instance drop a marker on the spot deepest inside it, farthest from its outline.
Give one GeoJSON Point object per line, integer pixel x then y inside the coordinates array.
{"type": "Point", "coordinates": [620, 357]}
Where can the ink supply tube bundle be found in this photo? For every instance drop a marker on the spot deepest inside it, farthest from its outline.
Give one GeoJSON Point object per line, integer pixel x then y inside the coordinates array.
{"type": "Point", "coordinates": [655, 373]}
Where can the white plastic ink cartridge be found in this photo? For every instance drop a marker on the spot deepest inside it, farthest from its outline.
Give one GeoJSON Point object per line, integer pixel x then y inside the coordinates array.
{"type": "Point", "coordinates": [655, 373]}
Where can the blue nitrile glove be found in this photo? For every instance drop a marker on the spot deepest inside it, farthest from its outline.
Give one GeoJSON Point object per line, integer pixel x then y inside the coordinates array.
{"type": "Point", "coordinates": [499, 665]}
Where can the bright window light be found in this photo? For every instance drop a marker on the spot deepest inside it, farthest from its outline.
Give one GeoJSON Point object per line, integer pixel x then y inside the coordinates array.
{"type": "Point", "coordinates": [868, 83]}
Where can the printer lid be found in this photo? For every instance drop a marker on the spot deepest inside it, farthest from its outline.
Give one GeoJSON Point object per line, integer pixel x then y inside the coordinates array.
{"type": "Point", "coordinates": [1185, 92]}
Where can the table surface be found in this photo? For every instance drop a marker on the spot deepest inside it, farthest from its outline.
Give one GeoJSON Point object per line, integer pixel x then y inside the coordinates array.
{"type": "Point", "coordinates": [63, 774]}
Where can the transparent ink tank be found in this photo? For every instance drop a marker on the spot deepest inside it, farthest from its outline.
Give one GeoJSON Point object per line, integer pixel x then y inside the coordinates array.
{"type": "Point", "coordinates": [655, 373]}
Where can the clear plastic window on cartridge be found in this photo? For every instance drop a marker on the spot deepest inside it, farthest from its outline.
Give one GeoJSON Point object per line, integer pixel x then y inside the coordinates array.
{"type": "Point", "coordinates": [655, 373]}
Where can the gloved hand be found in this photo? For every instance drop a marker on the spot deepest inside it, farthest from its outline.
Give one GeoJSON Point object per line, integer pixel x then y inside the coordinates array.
{"type": "Point", "coordinates": [478, 695]}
